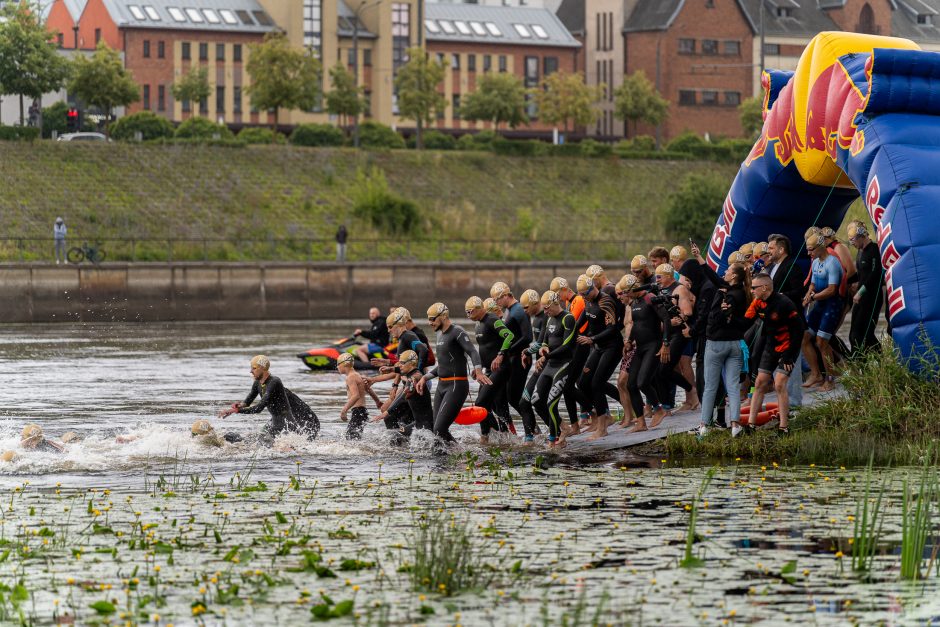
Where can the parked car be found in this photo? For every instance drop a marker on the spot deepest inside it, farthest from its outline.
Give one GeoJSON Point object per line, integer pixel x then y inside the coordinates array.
{"type": "Point", "coordinates": [83, 137]}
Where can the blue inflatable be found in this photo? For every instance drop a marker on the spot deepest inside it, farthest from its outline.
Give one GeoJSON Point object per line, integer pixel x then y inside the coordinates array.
{"type": "Point", "coordinates": [860, 115]}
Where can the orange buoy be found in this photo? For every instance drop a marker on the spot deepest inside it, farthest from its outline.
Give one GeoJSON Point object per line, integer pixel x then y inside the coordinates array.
{"type": "Point", "coordinates": [471, 415]}
{"type": "Point", "coordinates": [762, 418]}
{"type": "Point", "coordinates": [747, 410]}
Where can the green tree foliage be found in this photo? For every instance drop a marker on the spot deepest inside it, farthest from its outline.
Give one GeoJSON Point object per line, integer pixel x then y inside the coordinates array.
{"type": "Point", "coordinates": [694, 207]}
{"type": "Point", "coordinates": [201, 128]}
{"type": "Point", "coordinates": [149, 124]}
{"type": "Point", "coordinates": [383, 209]}
{"type": "Point", "coordinates": [101, 80]}
{"type": "Point", "coordinates": [375, 135]}
{"type": "Point", "coordinates": [564, 99]}
{"type": "Point", "coordinates": [193, 87]}
{"type": "Point", "coordinates": [345, 99]}
{"type": "Point", "coordinates": [499, 98]}
{"type": "Point", "coordinates": [29, 63]}
{"type": "Point", "coordinates": [317, 135]}
{"type": "Point", "coordinates": [636, 100]}
{"type": "Point", "coordinates": [751, 115]}
{"type": "Point", "coordinates": [417, 83]}
{"type": "Point", "coordinates": [282, 77]}
{"type": "Point", "coordinates": [258, 135]}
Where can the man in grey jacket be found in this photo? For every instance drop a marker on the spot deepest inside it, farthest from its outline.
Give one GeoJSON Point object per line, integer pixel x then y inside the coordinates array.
{"type": "Point", "coordinates": [58, 232]}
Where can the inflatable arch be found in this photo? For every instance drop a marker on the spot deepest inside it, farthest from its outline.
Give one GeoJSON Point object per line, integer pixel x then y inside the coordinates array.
{"type": "Point", "coordinates": [860, 115]}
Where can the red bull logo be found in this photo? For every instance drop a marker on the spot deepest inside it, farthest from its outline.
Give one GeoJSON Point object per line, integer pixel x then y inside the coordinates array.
{"type": "Point", "coordinates": [716, 246]}
{"type": "Point", "coordinates": [889, 252]}
{"type": "Point", "coordinates": [779, 129]}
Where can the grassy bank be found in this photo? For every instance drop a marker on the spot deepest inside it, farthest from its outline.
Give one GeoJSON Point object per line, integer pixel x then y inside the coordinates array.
{"type": "Point", "coordinates": [284, 192]}
{"type": "Point", "coordinates": [887, 413]}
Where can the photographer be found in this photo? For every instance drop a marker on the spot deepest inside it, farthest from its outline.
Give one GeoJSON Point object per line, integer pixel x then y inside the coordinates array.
{"type": "Point", "coordinates": [724, 333]}
{"type": "Point", "coordinates": [678, 302]}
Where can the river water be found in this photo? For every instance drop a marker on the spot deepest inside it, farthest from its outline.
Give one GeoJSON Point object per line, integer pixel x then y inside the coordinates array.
{"type": "Point", "coordinates": [161, 527]}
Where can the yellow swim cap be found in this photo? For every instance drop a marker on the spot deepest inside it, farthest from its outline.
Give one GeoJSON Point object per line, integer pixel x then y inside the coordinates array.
{"type": "Point", "coordinates": [558, 284]}
{"type": "Point", "coordinates": [665, 269]}
{"type": "Point", "coordinates": [856, 229]}
{"type": "Point", "coordinates": [678, 253]}
{"type": "Point", "coordinates": [747, 249]}
{"type": "Point", "coordinates": [437, 310]}
{"type": "Point", "coordinates": [490, 305]}
{"type": "Point", "coordinates": [9, 456]}
{"type": "Point", "coordinates": [549, 298]}
{"type": "Point", "coordinates": [584, 284]}
{"type": "Point", "coordinates": [70, 436]}
{"type": "Point", "coordinates": [473, 303]}
{"type": "Point", "coordinates": [827, 231]}
{"type": "Point", "coordinates": [529, 298]}
{"type": "Point", "coordinates": [760, 248]}
{"type": "Point", "coordinates": [638, 262]}
{"type": "Point", "coordinates": [737, 257]}
{"type": "Point", "coordinates": [594, 271]}
{"type": "Point", "coordinates": [346, 359]}
{"type": "Point", "coordinates": [201, 427]}
{"type": "Point", "coordinates": [31, 435]}
{"type": "Point", "coordinates": [408, 357]}
{"type": "Point", "coordinates": [815, 241]}
{"type": "Point", "coordinates": [260, 361]}
{"type": "Point", "coordinates": [626, 283]}
{"type": "Point", "coordinates": [499, 289]}
{"type": "Point", "coordinates": [813, 230]}
{"type": "Point", "coordinates": [399, 316]}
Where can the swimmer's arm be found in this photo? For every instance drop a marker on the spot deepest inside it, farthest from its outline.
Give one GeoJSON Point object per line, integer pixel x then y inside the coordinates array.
{"type": "Point", "coordinates": [352, 394]}
{"type": "Point", "coordinates": [248, 408]}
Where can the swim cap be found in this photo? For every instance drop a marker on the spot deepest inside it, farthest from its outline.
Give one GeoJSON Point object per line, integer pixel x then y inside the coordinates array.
{"type": "Point", "coordinates": [585, 283]}
{"type": "Point", "coordinates": [549, 298]}
{"type": "Point", "coordinates": [638, 262]}
{"type": "Point", "coordinates": [473, 303]}
{"type": "Point", "coordinates": [345, 359]}
{"type": "Point", "coordinates": [626, 283]}
{"type": "Point", "coordinates": [747, 249]}
{"type": "Point", "coordinates": [499, 289]}
{"type": "Point", "coordinates": [760, 248]}
{"type": "Point", "coordinates": [399, 316]}
{"type": "Point", "coordinates": [813, 230]}
{"type": "Point", "coordinates": [260, 361]}
{"type": "Point", "coordinates": [70, 436]}
{"type": "Point", "coordinates": [665, 269]}
{"type": "Point", "coordinates": [827, 231]}
{"type": "Point", "coordinates": [856, 230]}
{"type": "Point", "coordinates": [737, 257]}
{"type": "Point", "coordinates": [594, 271]}
{"type": "Point", "coordinates": [437, 310]}
{"type": "Point", "coordinates": [9, 456]}
{"type": "Point", "coordinates": [529, 298]}
{"type": "Point", "coordinates": [31, 435]}
{"type": "Point", "coordinates": [490, 305]}
{"type": "Point", "coordinates": [678, 253]}
{"type": "Point", "coordinates": [201, 427]}
{"type": "Point", "coordinates": [408, 357]}
{"type": "Point", "coordinates": [815, 241]}
{"type": "Point", "coordinates": [558, 284]}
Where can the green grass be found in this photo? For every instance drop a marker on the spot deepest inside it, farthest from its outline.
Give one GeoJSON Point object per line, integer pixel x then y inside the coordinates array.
{"type": "Point", "coordinates": [283, 195]}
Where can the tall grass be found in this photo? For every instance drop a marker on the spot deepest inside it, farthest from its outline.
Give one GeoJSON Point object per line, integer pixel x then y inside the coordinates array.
{"type": "Point", "coordinates": [689, 560]}
{"type": "Point", "coordinates": [868, 525]}
{"type": "Point", "coordinates": [917, 521]}
{"type": "Point", "coordinates": [447, 558]}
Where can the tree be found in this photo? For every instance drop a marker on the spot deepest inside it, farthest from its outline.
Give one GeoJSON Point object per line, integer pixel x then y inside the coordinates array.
{"type": "Point", "coordinates": [282, 77]}
{"type": "Point", "coordinates": [193, 87]}
{"type": "Point", "coordinates": [345, 98]}
{"type": "Point", "coordinates": [29, 63]}
{"type": "Point", "coordinates": [694, 207]}
{"type": "Point", "coordinates": [563, 98]}
{"type": "Point", "coordinates": [417, 82]}
{"type": "Point", "coordinates": [636, 100]}
{"type": "Point", "coordinates": [498, 98]}
{"type": "Point", "coordinates": [751, 112]}
{"type": "Point", "coordinates": [101, 80]}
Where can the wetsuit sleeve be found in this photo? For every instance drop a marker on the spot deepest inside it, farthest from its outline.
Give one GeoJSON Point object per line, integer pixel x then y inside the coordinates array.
{"type": "Point", "coordinates": [506, 334]}
{"type": "Point", "coordinates": [566, 348]}
{"type": "Point", "coordinates": [422, 350]}
{"type": "Point", "coordinates": [401, 398]}
{"type": "Point", "coordinates": [872, 284]}
{"type": "Point", "coordinates": [261, 404]}
{"type": "Point", "coordinates": [251, 395]}
{"type": "Point", "coordinates": [464, 341]}
{"type": "Point", "coordinates": [610, 319]}
{"type": "Point", "coordinates": [665, 319]}
{"type": "Point", "coordinates": [525, 332]}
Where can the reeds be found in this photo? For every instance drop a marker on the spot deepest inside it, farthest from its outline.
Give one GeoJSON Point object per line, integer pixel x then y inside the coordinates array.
{"type": "Point", "coordinates": [689, 560]}
{"type": "Point", "coordinates": [868, 524]}
{"type": "Point", "coordinates": [447, 558]}
{"type": "Point", "coordinates": [917, 521]}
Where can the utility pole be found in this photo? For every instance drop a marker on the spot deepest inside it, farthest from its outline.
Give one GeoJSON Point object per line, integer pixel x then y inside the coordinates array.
{"type": "Point", "coordinates": [356, 14]}
{"type": "Point", "coordinates": [762, 36]}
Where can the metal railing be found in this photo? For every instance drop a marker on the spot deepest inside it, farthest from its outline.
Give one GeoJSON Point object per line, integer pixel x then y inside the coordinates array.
{"type": "Point", "coordinates": [395, 248]}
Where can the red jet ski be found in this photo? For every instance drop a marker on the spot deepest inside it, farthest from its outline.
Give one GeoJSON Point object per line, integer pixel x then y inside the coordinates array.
{"type": "Point", "coordinates": [324, 358]}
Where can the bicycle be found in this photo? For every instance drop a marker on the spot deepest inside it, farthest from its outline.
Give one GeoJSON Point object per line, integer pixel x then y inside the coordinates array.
{"type": "Point", "coordinates": [78, 254]}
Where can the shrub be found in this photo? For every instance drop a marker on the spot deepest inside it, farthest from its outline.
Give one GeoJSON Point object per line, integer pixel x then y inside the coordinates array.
{"type": "Point", "coordinates": [378, 205]}
{"type": "Point", "coordinates": [202, 128]}
{"type": "Point", "coordinates": [477, 141]}
{"type": "Point", "coordinates": [54, 119]}
{"type": "Point", "coordinates": [149, 124]}
{"type": "Point", "coordinates": [436, 140]}
{"type": "Point", "coordinates": [375, 135]}
{"type": "Point", "coordinates": [593, 148]}
{"type": "Point", "coordinates": [18, 133]}
{"type": "Point", "coordinates": [568, 149]}
{"type": "Point", "coordinates": [260, 135]}
{"type": "Point", "coordinates": [317, 135]}
{"type": "Point", "coordinates": [686, 142]}
{"type": "Point", "coordinates": [695, 206]}
{"type": "Point", "coordinates": [520, 147]}
{"type": "Point", "coordinates": [739, 149]}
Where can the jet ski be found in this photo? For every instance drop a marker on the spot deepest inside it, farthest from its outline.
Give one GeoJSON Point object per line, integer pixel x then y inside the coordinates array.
{"type": "Point", "coordinates": [324, 358]}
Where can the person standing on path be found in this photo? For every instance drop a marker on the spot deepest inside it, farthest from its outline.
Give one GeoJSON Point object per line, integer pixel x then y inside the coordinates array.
{"type": "Point", "coordinates": [341, 236]}
{"type": "Point", "coordinates": [58, 233]}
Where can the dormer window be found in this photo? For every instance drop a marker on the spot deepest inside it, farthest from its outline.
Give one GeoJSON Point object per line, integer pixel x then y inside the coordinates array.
{"type": "Point", "coordinates": [784, 12]}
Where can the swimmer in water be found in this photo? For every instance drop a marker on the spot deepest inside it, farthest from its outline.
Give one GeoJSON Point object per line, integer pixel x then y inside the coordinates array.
{"type": "Point", "coordinates": [355, 398]}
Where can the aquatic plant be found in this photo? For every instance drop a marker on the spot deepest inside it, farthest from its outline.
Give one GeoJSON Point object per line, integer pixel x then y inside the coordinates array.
{"type": "Point", "coordinates": [689, 560]}
{"type": "Point", "coordinates": [869, 519]}
{"type": "Point", "coordinates": [447, 558]}
{"type": "Point", "coordinates": [917, 521]}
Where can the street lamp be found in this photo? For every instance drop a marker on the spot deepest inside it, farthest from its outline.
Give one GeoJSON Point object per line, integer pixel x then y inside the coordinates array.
{"type": "Point", "coordinates": [356, 14]}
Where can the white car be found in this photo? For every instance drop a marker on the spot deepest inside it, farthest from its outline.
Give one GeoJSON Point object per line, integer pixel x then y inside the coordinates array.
{"type": "Point", "coordinates": [83, 137]}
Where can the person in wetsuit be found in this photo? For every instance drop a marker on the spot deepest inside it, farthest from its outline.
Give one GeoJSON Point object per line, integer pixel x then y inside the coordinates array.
{"type": "Point", "coordinates": [574, 304]}
{"type": "Point", "coordinates": [518, 322]}
{"type": "Point", "coordinates": [408, 409]}
{"type": "Point", "coordinates": [33, 439]}
{"type": "Point", "coordinates": [685, 303]}
{"type": "Point", "coordinates": [493, 341]}
{"type": "Point", "coordinates": [288, 411]}
{"type": "Point", "coordinates": [553, 364]}
{"type": "Point", "coordinates": [869, 292]}
{"type": "Point", "coordinates": [650, 336]}
{"type": "Point", "coordinates": [453, 349]}
{"type": "Point", "coordinates": [377, 336]}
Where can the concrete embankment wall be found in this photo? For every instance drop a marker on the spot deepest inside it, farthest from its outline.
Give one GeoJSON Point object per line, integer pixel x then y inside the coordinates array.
{"type": "Point", "coordinates": [236, 291]}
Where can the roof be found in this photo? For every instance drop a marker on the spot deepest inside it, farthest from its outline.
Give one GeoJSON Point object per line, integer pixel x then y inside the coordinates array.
{"type": "Point", "coordinates": [652, 15]}
{"type": "Point", "coordinates": [202, 15]}
{"type": "Point", "coordinates": [904, 20]}
{"type": "Point", "coordinates": [346, 23]}
{"type": "Point", "coordinates": [75, 8]}
{"type": "Point", "coordinates": [572, 15]}
{"type": "Point", "coordinates": [803, 20]}
{"type": "Point", "coordinates": [521, 26]}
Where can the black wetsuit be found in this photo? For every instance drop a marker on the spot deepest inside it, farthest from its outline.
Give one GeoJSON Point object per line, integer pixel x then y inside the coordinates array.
{"type": "Point", "coordinates": [866, 311]}
{"type": "Point", "coordinates": [288, 412]}
{"type": "Point", "coordinates": [573, 396]}
{"type": "Point", "coordinates": [453, 348]}
{"type": "Point", "coordinates": [378, 334]}
{"type": "Point", "coordinates": [409, 341]}
{"type": "Point", "coordinates": [649, 333]}
{"type": "Point", "coordinates": [410, 409]}
{"type": "Point", "coordinates": [517, 320]}
{"type": "Point", "coordinates": [604, 330]}
{"type": "Point", "coordinates": [677, 344]}
{"type": "Point", "coordinates": [560, 339]}
{"type": "Point", "coordinates": [493, 339]}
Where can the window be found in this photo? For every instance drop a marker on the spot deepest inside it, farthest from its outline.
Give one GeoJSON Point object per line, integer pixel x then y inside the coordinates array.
{"type": "Point", "coordinates": [60, 40]}
{"type": "Point", "coordinates": [493, 30]}
{"type": "Point", "coordinates": [732, 98]}
{"type": "Point", "coordinates": [478, 28]}
{"type": "Point", "coordinates": [185, 51]}
{"type": "Point", "coordinates": [195, 16]}
{"type": "Point", "coordinates": [709, 46]}
{"type": "Point", "coordinates": [237, 98]}
{"type": "Point", "coordinates": [502, 63]}
{"type": "Point", "coordinates": [237, 53]}
{"type": "Point", "coordinates": [686, 46]}
{"type": "Point", "coordinates": [313, 24]}
{"type": "Point", "coordinates": [146, 98]}
{"type": "Point", "coordinates": [211, 16]}
{"type": "Point", "coordinates": [227, 16]}
{"type": "Point", "coordinates": [186, 106]}
{"type": "Point", "coordinates": [550, 65]}
{"type": "Point", "coordinates": [176, 14]}
{"type": "Point", "coordinates": [152, 13]}
{"type": "Point", "coordinates": [245, 17]}
{"type": "Point", "coordinates": [923, 19]}
{"type": "Point", "coordinates": [146, 48]}
{"type": "Point", "coordinates": [487, 63]}
{"type": "Point", "coordinates": [455, 106]}
{"type": "Point", "coordinates": [733, 47]}
{"type": "Point", "coordinates": [771, 48]}
{"type": "Point", "coordinates": [262, 18]}
{"type": "Point", "coordinates": [401, 33]}
{"type": "Point", "coordinates": [531, 82]}
{"type": "Point", "coordinates": [686, 97]}
{"type": "Point", "coordinates": [455, 61]}
{"type": "Point", "coordinates": [431, 25]}
{"type": "Point", "coordinates": [136, 12]}
{"type": "Point", "coordinates": [367, 57]}
{"type": "Point", "coordinates": [351, 57]}
{"type": "Point", "coordinates": [161, 49]}
{"type": "Point", "coordinates": [161, 98]}
{"type": "Point", "coordinates": [440, 58]}
{"type": "Point", "coordinates": [471, 63]}
{"type": "Point", "coordinates": [203, 51]}
{"type": "Point", "coordinates": [709, 97]}
{"type": "Point", "coordinates": [97, 35]}
{"type": "Point", "coordinates": [220, 98]}
{"type": "Point", "coordinates": [784, 12]}
{"type": "Point", "coordinates": [204, 106]}
{"type": "Point", "coordinates": [462, 27]}
{"type": "Point", "coordinates": [522, 31]}
{"type": "Point", "coordinates": [539, 31]}
{"type": "Point", "coordinates": [447, 27]}
{"type": "Point", "coordinates": [220, 52]}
